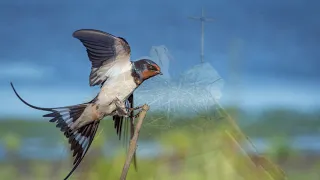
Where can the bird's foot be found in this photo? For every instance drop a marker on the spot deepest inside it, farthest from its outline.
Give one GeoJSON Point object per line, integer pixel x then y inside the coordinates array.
{"type": "Point", "coordinates": [135, 116]}
{"type": "Point", "coordinates": [120, 107]}
{"type": "Point", "coordinates": [135, 108]}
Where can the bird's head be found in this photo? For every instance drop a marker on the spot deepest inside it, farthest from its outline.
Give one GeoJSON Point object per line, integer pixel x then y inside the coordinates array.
{"type": "Point", "coordinates": [146, 68]}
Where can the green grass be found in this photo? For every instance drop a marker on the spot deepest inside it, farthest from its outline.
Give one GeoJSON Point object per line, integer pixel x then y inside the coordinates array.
{"type": "Point", "coordinates": [194, 148]}
{"type": "Point", "coordinates": [274, 122]}
{"type": "Point", "coordinates": [189, 154]}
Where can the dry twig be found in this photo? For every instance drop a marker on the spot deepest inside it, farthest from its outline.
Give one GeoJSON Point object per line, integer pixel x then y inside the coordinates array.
{"type": "Point", "coordinates": [133, 142]}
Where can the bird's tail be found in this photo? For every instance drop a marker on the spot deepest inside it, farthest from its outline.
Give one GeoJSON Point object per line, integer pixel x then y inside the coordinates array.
{"type": "Point", "coordinates": [81, 138]}
{"type": "Point", "coordinates": [64, 117]}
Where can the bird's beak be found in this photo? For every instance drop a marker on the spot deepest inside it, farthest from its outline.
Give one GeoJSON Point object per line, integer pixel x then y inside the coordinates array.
{"type": "Point", "coordinates": [159, 72]}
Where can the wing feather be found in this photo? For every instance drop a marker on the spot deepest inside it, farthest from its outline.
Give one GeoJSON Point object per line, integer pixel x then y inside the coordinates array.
{"type": "Point", "coordinates": [107, 53]}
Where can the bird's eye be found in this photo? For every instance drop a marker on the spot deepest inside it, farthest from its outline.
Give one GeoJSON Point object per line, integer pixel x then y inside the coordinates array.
{"type": "Point", "coordinates": [150, 67]}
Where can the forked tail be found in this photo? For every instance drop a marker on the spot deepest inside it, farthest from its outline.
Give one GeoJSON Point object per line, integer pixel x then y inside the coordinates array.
{"type": "Point", "coordinates": [80, 139]}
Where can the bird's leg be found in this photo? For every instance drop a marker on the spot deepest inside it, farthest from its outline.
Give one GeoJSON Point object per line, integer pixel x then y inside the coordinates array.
{"type": "Point", "coordinates": [135, 116]}
{"type": "Point", "coordinates": [135, 108]}
{"type": "Point", "coordinates": [132, 109]}
{"type": "Point", "coordinates": [122, 110]}
{"type": "Point", "coordinates": [120, 107]}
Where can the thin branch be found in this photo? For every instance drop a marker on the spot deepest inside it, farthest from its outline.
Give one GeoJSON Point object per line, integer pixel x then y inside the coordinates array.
{"type": "Point", "coordinates": [133, 142]}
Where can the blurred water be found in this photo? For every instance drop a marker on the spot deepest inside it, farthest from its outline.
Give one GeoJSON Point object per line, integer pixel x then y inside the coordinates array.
{"type": "Point", "coordinates": [300, 143]}
{"type": "Point", "coordinates": [33, 148]}
{"type": "Point", "coordinates": [38, 148]}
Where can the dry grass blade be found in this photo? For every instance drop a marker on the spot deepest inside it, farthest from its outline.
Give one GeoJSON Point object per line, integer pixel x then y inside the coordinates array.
{"type": "Point", "coordinates": [133, 142]}
{"type": "Point", "coordinates": [263, 167]}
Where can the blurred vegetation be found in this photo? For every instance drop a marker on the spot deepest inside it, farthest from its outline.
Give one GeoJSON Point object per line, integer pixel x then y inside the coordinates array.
{"type": "Point", "coordinates": [274, 122]}
{"type": "Point", "coordinates": [191, 148]}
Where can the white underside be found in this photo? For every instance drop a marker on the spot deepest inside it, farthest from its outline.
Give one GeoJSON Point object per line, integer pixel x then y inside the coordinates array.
{"type": "Point", "coordinates": [120, 86]}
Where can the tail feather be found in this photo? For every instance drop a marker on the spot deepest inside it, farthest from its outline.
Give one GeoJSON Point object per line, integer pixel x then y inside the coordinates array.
{"type": "Point", "coordinates": [36, 107]}
{"type": "Point", "coordinates": [64, 117]}
{"type": "Point", "coordinates": [80, 142]}
{"type": "Point", "coordinates": [79, 139]}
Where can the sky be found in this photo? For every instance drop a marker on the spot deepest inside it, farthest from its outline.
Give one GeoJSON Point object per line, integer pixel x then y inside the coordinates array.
{"type": "Point", "coordinates": [267, 51]}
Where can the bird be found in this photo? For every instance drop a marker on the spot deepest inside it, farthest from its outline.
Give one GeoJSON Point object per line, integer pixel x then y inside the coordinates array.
{"type": "Point", "coordinates": [118, 77]}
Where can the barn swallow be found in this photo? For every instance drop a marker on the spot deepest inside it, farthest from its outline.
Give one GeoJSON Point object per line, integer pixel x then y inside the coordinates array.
{"type": "Point", "coordinates": [117, 76]}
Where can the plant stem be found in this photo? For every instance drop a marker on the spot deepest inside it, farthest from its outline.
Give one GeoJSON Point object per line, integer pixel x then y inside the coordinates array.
{"type": "Point", "coordinates": [133, 142]}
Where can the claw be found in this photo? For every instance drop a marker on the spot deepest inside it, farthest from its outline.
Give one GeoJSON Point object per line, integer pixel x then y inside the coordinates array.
{"type": "Point", "coordinates": [135, 116]}
{"type": "Point", "coordinates": [135, 108]}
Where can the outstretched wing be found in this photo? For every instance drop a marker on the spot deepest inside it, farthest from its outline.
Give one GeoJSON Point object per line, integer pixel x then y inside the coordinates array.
{"type": "Point", "coordinates": [109, 55]}
{"type": "Point", "coordinates": [119, 121]}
